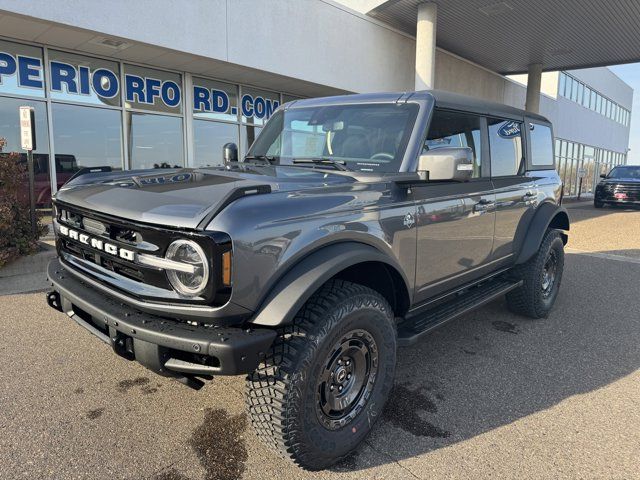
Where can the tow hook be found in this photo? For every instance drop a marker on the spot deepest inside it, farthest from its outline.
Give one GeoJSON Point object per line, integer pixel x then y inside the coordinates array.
{"type": "Point", "coordinates": [123, 346]}
{"type": "Point", "coordinates": [53, 299]}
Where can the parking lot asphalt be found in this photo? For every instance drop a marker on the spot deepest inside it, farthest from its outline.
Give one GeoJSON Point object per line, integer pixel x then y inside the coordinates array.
{"type": "Point", "coordinates": [490, 395]}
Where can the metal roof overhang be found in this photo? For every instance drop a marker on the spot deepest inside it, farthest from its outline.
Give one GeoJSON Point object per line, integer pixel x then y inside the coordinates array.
{"type": "Point", "coordinates": [508, 36]}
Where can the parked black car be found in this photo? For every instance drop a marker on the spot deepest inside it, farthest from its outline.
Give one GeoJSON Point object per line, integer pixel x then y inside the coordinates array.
{"type": "Point", "coordinates": [354, 225]}
{"type": "Point", "coordinates": [620, 187]}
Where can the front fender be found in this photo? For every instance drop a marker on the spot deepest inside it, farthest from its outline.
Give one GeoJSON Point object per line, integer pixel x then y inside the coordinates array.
{"type": "Point", "coordinates": [292, 291]}
{"type": "Point", "coordinates": [548, 215]}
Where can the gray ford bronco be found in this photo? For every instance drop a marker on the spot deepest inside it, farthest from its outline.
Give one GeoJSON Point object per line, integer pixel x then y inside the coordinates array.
{"type": "Point", "coordinates": [354, 225]}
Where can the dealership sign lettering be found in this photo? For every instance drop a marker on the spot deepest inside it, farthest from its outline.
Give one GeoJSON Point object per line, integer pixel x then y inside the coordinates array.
{"type": "Point", "coordinates": [104, 83]}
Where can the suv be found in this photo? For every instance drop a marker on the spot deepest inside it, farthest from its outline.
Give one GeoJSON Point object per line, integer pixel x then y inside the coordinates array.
{"type": "Point", "coordinates": [354, 225]}
{"type": "Point", "coordinates": [620, 187]}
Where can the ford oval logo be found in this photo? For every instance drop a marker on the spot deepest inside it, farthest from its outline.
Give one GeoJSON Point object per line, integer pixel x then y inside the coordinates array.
{"type": "Point", "coordinates": [509, 130]}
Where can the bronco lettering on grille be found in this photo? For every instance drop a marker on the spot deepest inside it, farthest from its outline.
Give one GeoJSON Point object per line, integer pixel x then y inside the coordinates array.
{"type": "Point", "coordinates": [98, 244]}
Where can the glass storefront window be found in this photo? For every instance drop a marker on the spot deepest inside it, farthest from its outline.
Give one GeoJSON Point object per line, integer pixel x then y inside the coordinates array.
{"type": "Point", "coordinates": [215, 100]}
{"type": "Point", "coordinates": [289, 98]}
{"type": "Point", "coordinates": [76, 78]}
{"type": "Point", "coordinates": [153, 90]}
{"type": "Point", "coordinates": [248, 133]}
{"type": "Point", "coordinates": [256, 106]}
{"type": "Point", "coordinates": [10, 132]}
{"type": "Point", "coordinates": [85, 137]}
{"type": "Point", "coordinates": [208, 139]}
{"type": "Point", "coordinates": [21, 71]}
{"type": "Point", "coordinates": [155, 141]}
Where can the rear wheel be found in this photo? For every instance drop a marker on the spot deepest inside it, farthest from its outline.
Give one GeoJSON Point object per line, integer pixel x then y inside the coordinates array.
{"type": "Point", "coordinates": [541, 277]}
{"type": "Point", "coordinates": [319, 392]}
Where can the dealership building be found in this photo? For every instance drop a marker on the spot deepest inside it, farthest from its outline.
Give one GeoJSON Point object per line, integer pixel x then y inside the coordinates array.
{"type": "Point", "coordinates": [156, 83]}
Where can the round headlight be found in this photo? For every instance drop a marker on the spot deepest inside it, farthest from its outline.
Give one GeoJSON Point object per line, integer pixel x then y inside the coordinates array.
{"type": "Point", "coordinates": [192, 281]}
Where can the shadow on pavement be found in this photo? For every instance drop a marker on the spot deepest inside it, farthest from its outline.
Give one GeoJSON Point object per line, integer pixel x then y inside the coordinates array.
{"type": "Point", "coordinates": [492, 368]}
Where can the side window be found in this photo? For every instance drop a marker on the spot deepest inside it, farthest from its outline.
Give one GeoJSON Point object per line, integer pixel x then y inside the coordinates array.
{"type": "Point", "coordinates": [505, 145]}
{"type": "Point", "coordinates": [541, 145]}
{"type": "Point", "coordinates": [452, 129]}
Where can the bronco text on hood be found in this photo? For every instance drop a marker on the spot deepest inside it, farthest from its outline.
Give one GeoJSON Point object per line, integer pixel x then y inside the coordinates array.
{"type": "Point", "coordinates": [352, 226]}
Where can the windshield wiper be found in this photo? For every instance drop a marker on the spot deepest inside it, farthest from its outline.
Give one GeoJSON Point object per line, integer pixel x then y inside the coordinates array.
{"type": "Point", "coordinates": [337, 164]}
{"type": "Point", "coordinates": [268, 159]}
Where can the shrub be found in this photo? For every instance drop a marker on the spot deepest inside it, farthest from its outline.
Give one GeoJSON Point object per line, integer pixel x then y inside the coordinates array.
{"type": "Point", "coordinates": [16, 236]}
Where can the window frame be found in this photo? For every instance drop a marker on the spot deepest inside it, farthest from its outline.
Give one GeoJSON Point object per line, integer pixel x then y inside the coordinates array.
{"type": "Point", "coordinates": [485, 168]}
{"type": "Point", "coordinates": [522, 168]}
{"type": "Point", "coordinates": [529, 155]}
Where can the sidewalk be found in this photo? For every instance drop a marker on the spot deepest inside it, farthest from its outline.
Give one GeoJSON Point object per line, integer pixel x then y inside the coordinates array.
{"type": "Point", "coordinates": [27, 274]}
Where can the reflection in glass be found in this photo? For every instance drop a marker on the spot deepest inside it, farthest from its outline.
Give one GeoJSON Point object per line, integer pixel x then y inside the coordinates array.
{"type": "Point", "coordinates": [541, 144]}
{"type": "Point", "coordinates": [155, 141]}
{"type": "Point", "coordinates": [248, 133]}
{"type": "Point", "coordinates": [86, 137]}
{"type": "Point", "coordinates": [10, 132]}
{"type": "Point", "coordinates": [450, 129]}
{"type": "Point", "coordinates": [505, 144]}
{"type": "Point", "coordinates": [208, 139]}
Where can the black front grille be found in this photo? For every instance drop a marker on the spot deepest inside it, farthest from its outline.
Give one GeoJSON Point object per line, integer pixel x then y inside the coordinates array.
{"type": "Point", "coordinates": [623, 190]}
{"type": "Point", "coordinates": [150, 283]}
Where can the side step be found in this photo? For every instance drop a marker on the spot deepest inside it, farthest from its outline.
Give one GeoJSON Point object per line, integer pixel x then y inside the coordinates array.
{"type": "Point", "coordinates": [415, 328]}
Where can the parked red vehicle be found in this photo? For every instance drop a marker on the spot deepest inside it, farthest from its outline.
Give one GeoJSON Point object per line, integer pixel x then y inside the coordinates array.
{"type": "Point", "coordinates": [66, 166]}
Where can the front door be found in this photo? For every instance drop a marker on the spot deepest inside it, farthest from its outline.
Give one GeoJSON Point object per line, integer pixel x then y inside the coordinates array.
{"type": "Point", "coordinates": [455, 221]}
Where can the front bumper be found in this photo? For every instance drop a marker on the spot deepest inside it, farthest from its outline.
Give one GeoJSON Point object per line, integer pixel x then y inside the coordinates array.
{"type": "Point", "coordinates": [168, 347]}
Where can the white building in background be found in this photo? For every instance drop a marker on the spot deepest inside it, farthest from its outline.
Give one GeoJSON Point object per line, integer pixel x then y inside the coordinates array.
{"type": "Point", "coordinates": [155, 82]}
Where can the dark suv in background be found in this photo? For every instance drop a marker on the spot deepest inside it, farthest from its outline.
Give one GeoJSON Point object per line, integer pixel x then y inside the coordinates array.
{"type": "Point", "coordinates": [620, 187]}
{"type": "Point", "coordinates": [355, 224]}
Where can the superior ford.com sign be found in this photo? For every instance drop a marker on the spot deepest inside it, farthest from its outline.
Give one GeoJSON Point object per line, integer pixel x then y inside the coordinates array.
{"type": "Point", "coordinates": [82, 81]}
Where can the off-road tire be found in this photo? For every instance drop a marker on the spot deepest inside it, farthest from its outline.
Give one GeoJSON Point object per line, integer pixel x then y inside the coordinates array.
{"type": "Point", "coordinates": [598, 204]}
{"type": "Point", "coordinates": [281, 393]}
{"type": "Point", "coordinates": [530, 299]}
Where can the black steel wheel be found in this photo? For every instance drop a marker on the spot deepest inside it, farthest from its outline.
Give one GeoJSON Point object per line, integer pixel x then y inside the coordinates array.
{"type": "Point", "coordinates": [327, 378]}
{"type": "Point", "coordinates": [347, 380]}
{"type": "Point", "coordinates": [549, 274]}
{"type": "Point", "coordinates": [541, 277]}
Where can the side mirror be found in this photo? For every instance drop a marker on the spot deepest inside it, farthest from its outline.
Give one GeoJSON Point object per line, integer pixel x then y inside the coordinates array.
{"type": "Point", "coordinates": [230, 152]}
{"type": "Point", "coordinates": [447, 163]}
{"type": "Point", "coordinates": [603, 175]}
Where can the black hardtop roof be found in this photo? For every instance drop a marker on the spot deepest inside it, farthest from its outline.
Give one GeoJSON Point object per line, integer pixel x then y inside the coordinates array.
{"type": "Point", "coordinates": [443, 99]}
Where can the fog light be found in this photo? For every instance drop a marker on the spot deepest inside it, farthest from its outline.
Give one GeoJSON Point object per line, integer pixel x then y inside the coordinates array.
{"type": "Point", "coordinates": [188, 283]}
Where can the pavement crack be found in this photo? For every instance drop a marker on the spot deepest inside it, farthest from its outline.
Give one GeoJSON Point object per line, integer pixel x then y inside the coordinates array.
{"type": "Point", "coordinates": [390, 457]}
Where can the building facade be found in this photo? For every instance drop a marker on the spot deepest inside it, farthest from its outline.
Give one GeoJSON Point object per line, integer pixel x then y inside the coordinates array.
{"type": "Point", "coordinates": [145, 86]}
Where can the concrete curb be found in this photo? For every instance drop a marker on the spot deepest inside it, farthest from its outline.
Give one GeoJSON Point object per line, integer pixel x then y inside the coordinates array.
{"type": "Point", "coordinates": [31, 264]}
{"type": "Point", "coordinates": [27, 274]}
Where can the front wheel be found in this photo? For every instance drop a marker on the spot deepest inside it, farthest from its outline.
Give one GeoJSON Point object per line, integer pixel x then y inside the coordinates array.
{"type": "Point", "coordinates": [318, 394]}
{"type": "Point", "coordinates": [597, 203]}
{"type": "Point", "coordinates": [541, 277]}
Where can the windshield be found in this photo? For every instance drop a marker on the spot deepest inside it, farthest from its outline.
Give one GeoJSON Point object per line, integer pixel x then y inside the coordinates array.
{"type": "Point", "coordinates": [367, 138]}
{"type": "Point", "coordinates": [625, 172]}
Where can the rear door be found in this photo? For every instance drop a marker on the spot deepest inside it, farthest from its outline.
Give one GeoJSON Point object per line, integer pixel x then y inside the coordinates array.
{"type": "Point", "coordinates": [455, 220]}
{"type": "Point", "coordinates": [516, 193]}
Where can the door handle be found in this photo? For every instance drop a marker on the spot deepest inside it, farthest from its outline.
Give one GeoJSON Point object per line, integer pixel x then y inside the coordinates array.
{"type": "Point", "coordinates": [529, 196]}
{"type": "Point", "coordinates": [484, 205]}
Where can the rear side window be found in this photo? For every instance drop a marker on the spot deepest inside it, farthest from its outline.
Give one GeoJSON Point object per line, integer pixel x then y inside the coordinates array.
{"type": "Point", "coordinates": [505, 144]}
{"type": "Point", "coordinates": [541, 144]}
{"type": "Point", "coordinates": [453, 129]}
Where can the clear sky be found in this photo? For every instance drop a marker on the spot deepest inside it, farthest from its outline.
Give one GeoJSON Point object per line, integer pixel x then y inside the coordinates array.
{"type": "Point", "coordinates": [631, 74]}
